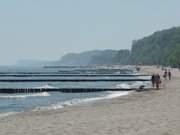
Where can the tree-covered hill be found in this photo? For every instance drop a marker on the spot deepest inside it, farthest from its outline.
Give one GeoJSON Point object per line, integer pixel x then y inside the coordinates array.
{"type": "Point", "coordinates": [122, 57]}
{"type": "Point", "coordinates": [94, 57]}
{"type": "Point", "coordinates": [162, 47]}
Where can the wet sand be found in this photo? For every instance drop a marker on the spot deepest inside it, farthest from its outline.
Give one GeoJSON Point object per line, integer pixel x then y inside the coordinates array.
{"type": "Point", "coordinates": [140, 113]}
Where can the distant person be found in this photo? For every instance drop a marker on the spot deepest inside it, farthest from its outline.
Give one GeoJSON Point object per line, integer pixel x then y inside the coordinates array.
{"type": "Point", "coordinates": [169, 74]}
{"type": "Point", "coordinates": [165, 74]}
{"type": "Point", "coordinates": [157, 80]}
{"type": "Point", "coordinates": [138, 69]}
{"type": "Point", "coordinates": [153, 80]}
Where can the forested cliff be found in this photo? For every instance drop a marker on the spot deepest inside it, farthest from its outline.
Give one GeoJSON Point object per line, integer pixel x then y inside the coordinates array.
{"type": "Point", "coordinates": [162, 47]}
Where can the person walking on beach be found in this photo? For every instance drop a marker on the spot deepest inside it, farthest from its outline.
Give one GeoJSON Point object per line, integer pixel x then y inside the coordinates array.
{"type": "Point", "coordinates": [157, 80]}
{"type": "Point", "coordinates": [153, 80]}
{"type": "Point", "coordinates": [165, 74]}
{"type": "Point", "coordinates": [169, 74]}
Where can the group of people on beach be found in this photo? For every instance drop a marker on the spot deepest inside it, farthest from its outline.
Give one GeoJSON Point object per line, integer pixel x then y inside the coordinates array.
{"type": "Point", "coordinates": [156, 79]}
{"type": "Point", "coordinates": [167, 74]}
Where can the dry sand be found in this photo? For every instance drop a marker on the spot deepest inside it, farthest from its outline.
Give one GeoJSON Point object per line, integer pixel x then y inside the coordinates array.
{"type": "Point", "coordinates": [140, 113]}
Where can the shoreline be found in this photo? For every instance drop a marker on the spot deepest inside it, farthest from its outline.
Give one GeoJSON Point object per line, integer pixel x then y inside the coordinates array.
{"type": "Point", "coordinates": [147, 112]}
{"type": "Point", "coordinates": [69, 103]}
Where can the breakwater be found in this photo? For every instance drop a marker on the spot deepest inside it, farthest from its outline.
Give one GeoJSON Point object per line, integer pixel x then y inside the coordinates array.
{"type": "Point", "coordinates": [72, 80]}
{"type": "Point", "coordinates": [65, 90]}
{"type": "Point", "coordinates": [71, 75]}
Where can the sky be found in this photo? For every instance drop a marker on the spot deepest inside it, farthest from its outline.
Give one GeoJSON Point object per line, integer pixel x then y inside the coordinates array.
{"type": "Point", "coordinates": [48, 29]}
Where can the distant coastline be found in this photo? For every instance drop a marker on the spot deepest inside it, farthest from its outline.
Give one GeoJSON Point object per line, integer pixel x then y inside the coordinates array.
{"type": "Point", "coordinates": [162, 47]}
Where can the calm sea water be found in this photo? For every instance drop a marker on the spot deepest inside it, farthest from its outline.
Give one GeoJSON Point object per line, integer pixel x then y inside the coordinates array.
{"type": "Point", "coordinates": [54, 100]}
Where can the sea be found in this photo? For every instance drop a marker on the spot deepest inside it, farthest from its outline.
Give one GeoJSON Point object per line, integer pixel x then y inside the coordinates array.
{"type": "Point", "coordinates": [12, 103]}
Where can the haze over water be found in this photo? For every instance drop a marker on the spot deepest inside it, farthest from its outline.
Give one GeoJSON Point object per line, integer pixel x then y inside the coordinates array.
{"type": "Point", "coordinates": [46, 30]}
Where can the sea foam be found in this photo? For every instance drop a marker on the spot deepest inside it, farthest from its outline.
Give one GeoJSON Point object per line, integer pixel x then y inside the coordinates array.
{"type": "Point", "coordinates": [60, 105]}
{"type": "Point", "coordinates": [7, 114]}
{"type": "Point", "coordinates": [47, 86]}
{"type": "Point", "coordinates": [42, 94]}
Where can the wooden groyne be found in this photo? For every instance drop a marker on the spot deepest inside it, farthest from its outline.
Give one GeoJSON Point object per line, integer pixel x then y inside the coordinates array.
{"type": "Point", "coordinates": [73, 75]}
{"type": "Point", "coordinates": [72, 80]}
{"type": "Point", "coordinates": [65, 90]}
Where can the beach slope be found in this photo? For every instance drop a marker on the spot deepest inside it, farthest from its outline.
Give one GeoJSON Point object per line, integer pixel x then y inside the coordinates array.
{"type": "Point", "coordinates": [140, 113]}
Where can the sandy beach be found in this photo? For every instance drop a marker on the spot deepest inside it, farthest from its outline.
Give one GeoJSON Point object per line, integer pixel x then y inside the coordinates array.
{"type": "Point", "coordinates": [140, 113]}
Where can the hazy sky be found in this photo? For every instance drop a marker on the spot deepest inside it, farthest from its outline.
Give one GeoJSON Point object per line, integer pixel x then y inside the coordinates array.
{"type": "Point", "coordinates": [47, 29]}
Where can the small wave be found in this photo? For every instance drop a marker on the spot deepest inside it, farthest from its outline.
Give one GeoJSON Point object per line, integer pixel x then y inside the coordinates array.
{"type": "Point", "coordinates": [47, 86]}
{"type": "Point", "coordinates": [42, 94]}
{"type": "Point", "coordinates": [7, 114]}
{"type": "Point", "coordinates": [123, 86]}
{"type": "Point", "coordinates": [117, 94]}
{"type": "Point", "coordinates": [51, 107]}
{"type": "Point", "coordinates": [137, 84]}
{"type": "Point", "coordinates": [134, 85]}
{"type": "Point", "coordinates": [81, 101]}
